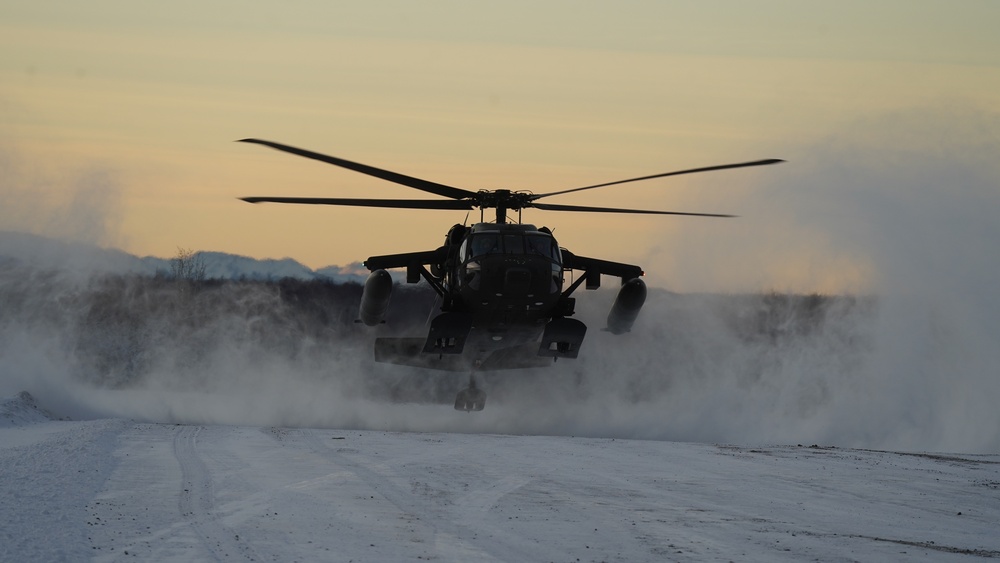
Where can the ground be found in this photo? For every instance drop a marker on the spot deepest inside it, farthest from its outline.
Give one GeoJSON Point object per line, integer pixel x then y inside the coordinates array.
{"type": "Point", "coordinates": [116, 489]}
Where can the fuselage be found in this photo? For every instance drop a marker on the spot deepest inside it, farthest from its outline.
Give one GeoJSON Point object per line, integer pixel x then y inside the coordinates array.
{"type": "Point", "coordinates": [502, 301]}
{"type": "Point", "coordinates": [508, 273]}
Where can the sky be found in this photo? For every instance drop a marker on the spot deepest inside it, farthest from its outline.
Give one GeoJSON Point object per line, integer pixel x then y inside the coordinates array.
{"type": "Point", "coordinates": [117, 122]}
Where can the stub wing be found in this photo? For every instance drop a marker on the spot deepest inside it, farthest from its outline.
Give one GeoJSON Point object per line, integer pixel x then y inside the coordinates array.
{"type": "Point", "coordinates": [407, 259]}
{"type": "Point", "coordinates": [594, 266]}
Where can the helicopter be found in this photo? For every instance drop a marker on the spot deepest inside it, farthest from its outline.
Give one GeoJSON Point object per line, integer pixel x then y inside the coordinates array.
{"type": "Point", "coordinates": [503, 300]}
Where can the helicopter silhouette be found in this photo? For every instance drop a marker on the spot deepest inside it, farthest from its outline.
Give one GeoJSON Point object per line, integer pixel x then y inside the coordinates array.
{"type": "Point", "coordinates": [503, 301]}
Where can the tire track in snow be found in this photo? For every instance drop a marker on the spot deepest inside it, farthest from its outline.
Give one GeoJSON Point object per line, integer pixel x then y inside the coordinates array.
{"type": "Point", "coordinates": [438, 523]}
{"type": "Point", "coordinates": [197, 501]}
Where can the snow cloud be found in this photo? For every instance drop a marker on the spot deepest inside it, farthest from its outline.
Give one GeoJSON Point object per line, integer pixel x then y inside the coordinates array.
{"type": "Point", "coordinates": [80, 205]}
{"type": "Point", "coordinates": [891, 217]}
{"type": "Point", "coordinates": [901, 207]}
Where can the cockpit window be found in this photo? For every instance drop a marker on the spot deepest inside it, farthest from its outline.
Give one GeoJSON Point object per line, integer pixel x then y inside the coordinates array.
{"type": "Point", "coordinates": [485, 243]}
{"type": "Point", "coordinates": [542, 246]}
{"type": "Point", "coordinates": [517, 243]}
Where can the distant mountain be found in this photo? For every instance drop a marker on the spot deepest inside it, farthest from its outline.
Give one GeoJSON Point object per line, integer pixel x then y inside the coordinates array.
{"type": "Point", "coordinates": [45, 252]}
{"type": "Point", "coordinates": [231, 266]}
{"type": "Point", "coordinates": [85, 258]}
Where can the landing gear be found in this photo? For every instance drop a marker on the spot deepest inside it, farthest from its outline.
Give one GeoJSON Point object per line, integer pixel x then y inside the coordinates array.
{"type": "Point", "coordinates": [471, 398]}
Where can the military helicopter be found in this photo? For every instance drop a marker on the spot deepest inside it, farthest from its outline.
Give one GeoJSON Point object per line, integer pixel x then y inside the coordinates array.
{"type": "Point", "coordinates": [503, 301]}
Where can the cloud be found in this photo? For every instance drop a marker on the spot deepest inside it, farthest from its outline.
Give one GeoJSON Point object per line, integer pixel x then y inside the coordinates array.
{"type": "Point", "coordinates": [894, 212]}
{"type": "Point", "coordinates": [901, 206]}
{"type": "Point", "coordinates": [898, 202]}
{"type": "Point", "coordinates": [48, 199]}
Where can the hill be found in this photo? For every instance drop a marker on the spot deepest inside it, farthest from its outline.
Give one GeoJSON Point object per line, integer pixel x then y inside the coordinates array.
{"type": "Point", "coordinates": [47, 253]}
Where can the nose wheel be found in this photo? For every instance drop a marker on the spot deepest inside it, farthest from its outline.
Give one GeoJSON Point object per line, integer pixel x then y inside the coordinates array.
{"type": "Point", "coordinates": [471, 398]}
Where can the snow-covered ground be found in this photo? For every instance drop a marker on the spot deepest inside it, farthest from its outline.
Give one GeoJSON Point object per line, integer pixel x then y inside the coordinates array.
{"type": "Point", "coordinates": [233, 426]}
{"type": "Point", "coordinates": [732, 428]}
{"type": "Point", "coordinates": [116, 489]}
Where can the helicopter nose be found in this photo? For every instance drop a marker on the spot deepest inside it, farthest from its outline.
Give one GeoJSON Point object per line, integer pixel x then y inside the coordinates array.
{"type": "Point", "coordinates": [517, 281]}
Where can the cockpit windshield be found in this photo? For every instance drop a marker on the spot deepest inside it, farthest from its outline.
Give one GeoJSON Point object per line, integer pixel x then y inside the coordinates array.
{"type": "Point", "coordinates": [485, 243]}
{"type": "Point", "coordinates": [513, 243]}
{"type": "Point", "coordinates": [542, 245]}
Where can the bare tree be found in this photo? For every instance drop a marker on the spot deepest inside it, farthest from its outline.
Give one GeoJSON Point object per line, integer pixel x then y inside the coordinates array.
{"type": "Point", "coordinates": [187, 265]}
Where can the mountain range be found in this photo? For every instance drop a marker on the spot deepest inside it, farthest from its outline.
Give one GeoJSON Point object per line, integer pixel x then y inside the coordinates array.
{"type": "Point", "coordinates": [40, 251]}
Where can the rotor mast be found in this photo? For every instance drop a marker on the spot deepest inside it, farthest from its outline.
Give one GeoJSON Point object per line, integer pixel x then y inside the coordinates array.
{"type": "Point", "coordinates": [501, 204]}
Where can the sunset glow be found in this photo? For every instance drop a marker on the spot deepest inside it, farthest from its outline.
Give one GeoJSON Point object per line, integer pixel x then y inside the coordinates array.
{"type": "Point", "coordinates": [127, 113]}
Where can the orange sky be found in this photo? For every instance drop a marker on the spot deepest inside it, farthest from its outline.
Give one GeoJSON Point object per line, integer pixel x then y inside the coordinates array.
{"type": "Point", "coordinates": [124, 115]}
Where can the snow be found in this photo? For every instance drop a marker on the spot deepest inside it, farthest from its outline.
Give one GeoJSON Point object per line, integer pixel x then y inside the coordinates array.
{"type": "Point", "coordinates": [700, 436]}
{"type": "Point", "coordinates": [20, 411]}
{"type": "Point", "coordinates": [116, 489]}
{"type": "Point", "coordinates": [236, 432]}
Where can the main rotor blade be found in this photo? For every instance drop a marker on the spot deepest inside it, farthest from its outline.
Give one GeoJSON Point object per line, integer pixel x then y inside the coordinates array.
{"type": "Point", "coordinates": [409, 181]}
{"type": "Point", "coordinates": [558, 207]}
{"type": "Point", "coordinates": [665, 174]}
{"type": "Point", "coordinates": [396, 203]}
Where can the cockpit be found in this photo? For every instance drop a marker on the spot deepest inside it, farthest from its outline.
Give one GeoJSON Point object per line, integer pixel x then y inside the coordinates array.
{"type": "Point", "coordinates": [502, 259]}
{"type": "Point", "coordinates": [529, 243]}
